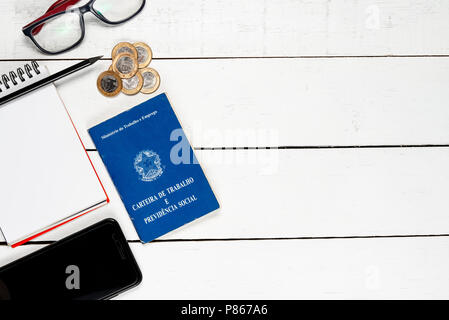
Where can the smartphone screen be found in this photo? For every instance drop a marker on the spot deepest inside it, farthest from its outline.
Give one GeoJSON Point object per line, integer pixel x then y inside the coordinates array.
{"type": "Point", "coordinates": [95, 263]}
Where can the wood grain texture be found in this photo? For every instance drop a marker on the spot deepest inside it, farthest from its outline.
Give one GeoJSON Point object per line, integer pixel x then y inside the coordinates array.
{"type": "Point", "coordinates": [308, 193]}
{"type": "Point", "coordinates": [284, 102]}
{"type": "Point", "coordinates": [321, 269]}
{"type": "Point", "coordinates": [263, 101]}
{"type": "Point", "coordinates": [235, 28]}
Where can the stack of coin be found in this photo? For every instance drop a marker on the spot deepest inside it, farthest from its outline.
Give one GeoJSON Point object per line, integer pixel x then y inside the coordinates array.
{"type": "Point", "coordinates": [129, 71]}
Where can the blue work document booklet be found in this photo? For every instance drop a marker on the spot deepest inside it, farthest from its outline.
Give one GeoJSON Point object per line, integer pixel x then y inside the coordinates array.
{"type": "Point", "coordinates": [153, 167]}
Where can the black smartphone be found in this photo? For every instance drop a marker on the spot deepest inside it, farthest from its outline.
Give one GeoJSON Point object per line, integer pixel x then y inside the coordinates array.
{"type": "Point", "coordinates": [94, 263]}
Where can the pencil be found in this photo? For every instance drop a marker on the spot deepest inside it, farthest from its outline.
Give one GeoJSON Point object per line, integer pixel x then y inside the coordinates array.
{"type": "Point", "coordinates": [38, 84]}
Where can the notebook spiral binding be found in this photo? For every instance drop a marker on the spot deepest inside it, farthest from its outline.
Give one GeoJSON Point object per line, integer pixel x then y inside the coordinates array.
{"type": "Point", "coordinates": [20, 75]}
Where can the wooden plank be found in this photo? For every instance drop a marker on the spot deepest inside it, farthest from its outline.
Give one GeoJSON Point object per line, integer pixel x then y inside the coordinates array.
{"type": "Point", "coordinates": [308, 193]}
{"type": "Point", "coordinates": [230, 28]}
{"type": "Point", "coordinates": [278, 102]}
{"type": "Point", "coordinates": [296, 269]}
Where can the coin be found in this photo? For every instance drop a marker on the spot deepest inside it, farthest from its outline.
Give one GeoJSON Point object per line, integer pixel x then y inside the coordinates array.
{"type": "Point", "coordinates": [109, 83]}
{"type": "Point", "coordinates": [144, 54]}
{"type": "Point", "coordinates": [125, 65]}
{"type": "Point", "coordinates": [124, 47]}
{"type": "Point", "coordinates": [132, 85]}
{"type": "Point", "coordinates": [151, 80]}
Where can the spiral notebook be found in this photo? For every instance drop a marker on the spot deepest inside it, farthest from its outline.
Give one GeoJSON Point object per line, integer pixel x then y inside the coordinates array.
{"type": "Point", "coordinates": [46, 176]}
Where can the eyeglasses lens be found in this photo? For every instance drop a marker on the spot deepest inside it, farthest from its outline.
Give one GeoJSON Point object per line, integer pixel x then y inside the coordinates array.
{"type": "Point", "coordinates": [117, 10]}
{"type": "Point", "coordinates": [58, 33]}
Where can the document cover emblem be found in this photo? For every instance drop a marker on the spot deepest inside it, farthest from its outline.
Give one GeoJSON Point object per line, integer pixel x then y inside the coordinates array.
{"type": "Point", "coordinates": [153, 167]}
{"type": "Point", "coordinates": [148, 165]}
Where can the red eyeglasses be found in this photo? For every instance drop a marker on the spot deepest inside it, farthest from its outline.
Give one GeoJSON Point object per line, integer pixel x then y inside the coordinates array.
{"type": "Point", "coordinates": [62, 27]}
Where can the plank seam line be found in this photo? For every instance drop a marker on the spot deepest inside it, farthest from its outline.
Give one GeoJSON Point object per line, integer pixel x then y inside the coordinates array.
{"type": "Point", "coordinates": [386, 146]}
{"type": "Point", "coordinates": [270, 239]}
{"type": "Point", "coordinates": [254, 57]}
{"type": "Point", "coordinates": [381, 146]}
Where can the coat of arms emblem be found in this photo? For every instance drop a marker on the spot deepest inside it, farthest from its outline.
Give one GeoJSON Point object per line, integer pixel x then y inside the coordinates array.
{"type": "Point", "coordinates": [148, 165]}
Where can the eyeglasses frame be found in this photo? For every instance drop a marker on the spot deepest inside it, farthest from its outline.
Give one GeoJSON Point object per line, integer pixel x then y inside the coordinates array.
{"type": "Point", "coordinates": [60, 9]}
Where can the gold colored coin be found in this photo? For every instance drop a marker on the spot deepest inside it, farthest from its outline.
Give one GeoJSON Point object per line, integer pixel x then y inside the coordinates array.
{"type": "Point", "coordinates": [109, 83]}
{"type": "Point", "coordinates": [144, 54]}
{"type": "Point", "coordinates": [132, 85]}
{"type": "Point", "coordinates": [151, 80]}
{"type": "Point", "coordinates": [125, 65]}
{"type": "Point", "coordinates": [123, 47]}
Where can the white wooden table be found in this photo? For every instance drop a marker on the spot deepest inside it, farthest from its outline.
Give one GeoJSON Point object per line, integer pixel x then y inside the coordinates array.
{"type": "Point", "coordinates": [351, 97]}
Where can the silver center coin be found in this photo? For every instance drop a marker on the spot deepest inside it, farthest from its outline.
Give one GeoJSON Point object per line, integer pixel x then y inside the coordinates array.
{"type": "Point", "coordinates": [131, 83]}
{"type": "Point", "coordinates": [149, 80]}
{"type": "Point", "coordinates": [125, 65]}
{"type": "Point", "coordinates": [124, 49]}
{"type": "Point", "coordinates": [142, 54]}
{"type": "Point", "coordinates": [109, 84]}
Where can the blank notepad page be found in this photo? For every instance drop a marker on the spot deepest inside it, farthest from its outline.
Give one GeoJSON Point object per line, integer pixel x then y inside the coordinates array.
{"type": "Point", "coordinates": [45, 174]}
